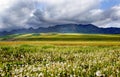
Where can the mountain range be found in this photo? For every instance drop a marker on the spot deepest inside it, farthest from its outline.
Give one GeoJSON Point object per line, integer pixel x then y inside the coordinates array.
{"type": "Point", "coordinates": [65, 28]}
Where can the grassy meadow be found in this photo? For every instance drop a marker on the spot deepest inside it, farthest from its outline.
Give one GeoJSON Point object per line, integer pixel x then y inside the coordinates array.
{"type": "Point", "coordinates": [60, 55]}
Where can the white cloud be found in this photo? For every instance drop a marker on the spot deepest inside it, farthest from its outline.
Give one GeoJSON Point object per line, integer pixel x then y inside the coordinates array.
{"type": "Point", "coordinates": [66, 9]}
{"type": "Point", "coordinates": [50, 12]}
{"type": "Point", "coordinates": [26, 13]}
{"type": "Point", "coordinates": [115, 12]}
{"type": "Point", "coordinates": [111, 17]}
{"type": "Point", "coordinates": [16, 15]}
{"type": "Point", "coordinates": [5, 4]}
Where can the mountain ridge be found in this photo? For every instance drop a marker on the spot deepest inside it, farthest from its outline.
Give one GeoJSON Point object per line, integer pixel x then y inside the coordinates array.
{"type": "Point", "coordinates": [65, 28]}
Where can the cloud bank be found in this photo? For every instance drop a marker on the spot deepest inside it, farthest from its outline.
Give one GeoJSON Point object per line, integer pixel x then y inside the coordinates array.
{"type": "Point", "coordinates": [16, 14]}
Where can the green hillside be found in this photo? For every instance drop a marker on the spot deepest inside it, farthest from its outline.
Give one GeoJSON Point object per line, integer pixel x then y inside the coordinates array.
{"type": "Point", "coordinates": [61, 37]}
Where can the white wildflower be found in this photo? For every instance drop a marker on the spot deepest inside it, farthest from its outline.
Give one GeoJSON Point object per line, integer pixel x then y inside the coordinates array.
{"type": "Point", "coordinates": [21, 70]}
{"type": "Point", "coordinates": [110, 76]}
{"type": "Point", "coordinates": [117, 70]}
{"type": "Point", "coordinates": [34, 69]}
{"type": "Point", "coordinates": [84, 70]}
{"type": "Point", "coordinates": [47, 65]}
{"type": "Point", "coordinates": [40, 75]}
{"type": "Point", "coordinates": [71, 75]}
{"type": "Point", "coordinates": [98, 73]}
{"type": "Point", "coordinates": [15, 76]}
{"type": "Point", "coordinates": [69, 65]}
{"type": "Point", "coordinates": [3, 74]}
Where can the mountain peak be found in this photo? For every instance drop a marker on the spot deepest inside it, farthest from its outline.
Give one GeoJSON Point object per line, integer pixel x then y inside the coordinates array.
{"type": "Point", "coordinates": [66, 28]}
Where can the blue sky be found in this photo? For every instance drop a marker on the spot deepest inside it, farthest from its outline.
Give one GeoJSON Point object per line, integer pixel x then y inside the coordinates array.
{"type": "Point", "coordinates": [109, 3]}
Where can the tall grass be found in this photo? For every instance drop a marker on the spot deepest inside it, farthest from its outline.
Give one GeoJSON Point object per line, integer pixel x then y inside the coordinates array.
{"type": "Point", "coordinates": [59, 61]}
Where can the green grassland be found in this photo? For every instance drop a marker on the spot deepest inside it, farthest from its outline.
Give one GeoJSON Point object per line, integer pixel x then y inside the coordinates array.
{"type": "Point", "coordinates": [61, 37]}
{"type": "Point", "coordinates": [60, 55]}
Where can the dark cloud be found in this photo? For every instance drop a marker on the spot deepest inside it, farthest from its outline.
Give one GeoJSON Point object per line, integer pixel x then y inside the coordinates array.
{"type": "Point", "coordinates": [44, 13]}
{"type": "Point", "coordinates": [17, 15]}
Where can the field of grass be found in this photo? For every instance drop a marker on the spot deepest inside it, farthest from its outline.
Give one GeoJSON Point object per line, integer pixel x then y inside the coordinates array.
{"type": "Point", "coordinates": [60, 55]}
{"type": "Point", "coordinates": [59, 61]}
{"type": "Point", "coordinates": [61, 37]}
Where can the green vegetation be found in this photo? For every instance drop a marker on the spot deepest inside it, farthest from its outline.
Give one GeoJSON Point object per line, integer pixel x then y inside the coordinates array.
{"type": "Point", "coordinates": [61, 37]}
{"type": "Point", "coordinates": [60, 55]}
{"type": "Point", "coordinates": [59, 61]}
